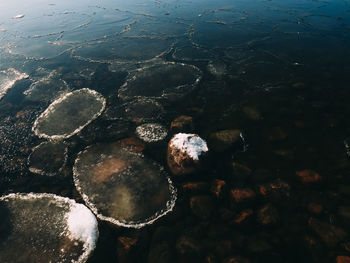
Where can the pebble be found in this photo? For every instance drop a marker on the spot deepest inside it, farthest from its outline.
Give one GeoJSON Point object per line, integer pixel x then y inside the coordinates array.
{"type": "Point", "coordinates": [240, 195]}
{"type": "Point", "coordinates": [330, 234]}
{"type": "Point", "coordinates": [343, 259]}
{"type": "Point", "coordinates": [315, 208]}
{"type": "Point", "coordinates": [309, 176]}
{"type": "Point", "coordinates": [223, 140]}
{"type": "Point", "coordinates": [182, 123]}
{"type": "Point", "coordinates": [217, 187]}
{"type": "Point", "coordinates": [202, 206]}
{"type": "Point", "coordinates": [267, 215]}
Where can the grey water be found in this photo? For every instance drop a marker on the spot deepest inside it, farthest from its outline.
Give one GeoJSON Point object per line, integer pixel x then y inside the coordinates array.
{"type": "Point", "coordinates": [275, 72]}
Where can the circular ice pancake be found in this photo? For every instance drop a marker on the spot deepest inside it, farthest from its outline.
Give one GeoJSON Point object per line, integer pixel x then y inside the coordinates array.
{"type": "Point", "coordinates": [45, 228]}
{"type": "Point", "coordinates": [69, 114]}
{"type": "Point", "coordinates": [123, 187]}
{"type": "Point", "coordinates": [165, 80]}
{"type": "Point", "coordinates": [48, 158]}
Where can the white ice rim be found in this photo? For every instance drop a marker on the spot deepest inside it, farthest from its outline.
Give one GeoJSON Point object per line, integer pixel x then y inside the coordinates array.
{"type": "Point", "coordinates": [88, 247]}
{"type": "Point", "coordinates": [132, 76]}
{"type": "Point", "coordinates": [98, 97]}
{"type": "Point", "coordinates": [41, 172]}
{"type": "Point", "coordinates": [148, 221]}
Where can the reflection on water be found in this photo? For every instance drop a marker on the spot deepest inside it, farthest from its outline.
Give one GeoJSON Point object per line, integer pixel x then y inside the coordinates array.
{"type": "Point", "coordinates": [269, 74]}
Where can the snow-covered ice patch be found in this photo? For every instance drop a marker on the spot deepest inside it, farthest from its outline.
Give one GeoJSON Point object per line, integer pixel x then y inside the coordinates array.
{"type": "Point", "coordinates": [46, 228]}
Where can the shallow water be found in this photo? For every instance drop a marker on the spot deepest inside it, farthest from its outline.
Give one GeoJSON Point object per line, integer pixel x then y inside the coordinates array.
{"type": "Point", "coordinates": [274, 72]}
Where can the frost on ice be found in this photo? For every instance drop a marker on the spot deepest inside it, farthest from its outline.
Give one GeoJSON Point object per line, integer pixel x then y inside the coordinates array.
{"type": "Point", "coordinates": [164, 80]}
{"type": "Point", "coordinates": [45, 228]}
{"type": "Point", "coordinates": [8, 78]}
{"type": "Point", "coordinates": [123, 187]}
{"type": "Point", "coordinates": [69, 114]}
{"type": "Point", "coordinates": [144, 110]}
{"type": "Point", "coordinates": [151, 132]}
{"type": "Point", "coordinates": [48, 158]}
{"type": "Point", "coordinates": [191, 144]}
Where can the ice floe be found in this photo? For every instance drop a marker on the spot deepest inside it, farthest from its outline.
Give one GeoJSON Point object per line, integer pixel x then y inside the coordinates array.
{"type": "Point", "coordinates": [8, 78]}
{"type": "Point", "coordinates": [69, 114]}
{"type": "Point", "coordinates": [123, 187]}
{"type": "Point", "coordinates": [165, 80]}
{"type": "Point", "coordinates": [46, 228]}
{"type": "Point", "coordinates": [151, 132]}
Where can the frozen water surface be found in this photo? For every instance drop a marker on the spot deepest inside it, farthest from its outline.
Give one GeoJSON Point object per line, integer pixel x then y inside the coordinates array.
{"type": "Point", "coordinates": [164, 80]}
{"type": "Point", "coordinates": [46, 228]}
{"type": "Point", "coordinates": [8, 78]}
{"type": "Point", "coordinates": [69, 114]}
{"type": "Point", "coordinates": [123, 187]}
{"type": "Point", "coordinates": [48, 158]}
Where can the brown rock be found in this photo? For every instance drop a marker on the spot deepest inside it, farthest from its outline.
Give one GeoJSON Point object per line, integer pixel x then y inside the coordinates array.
{"type": "Point", "coordinates": [202, 206]}
{"type": "Point", "coordinates": [127, 242]}
{"type": "Point", "coordinates": [187, 246]}
{"type": "Point", "coordinates": [179, 159]}
{"type": "Point", "coordinates": [195, 186]}
{"type": "Point", "coordinates": [240, 169]}
{"type": "Point", "coordinates": [267, 215]}
{"type": "Point", "coordinates": [217, 187]}
{"type": "Point", "coordinates": [343, 259]}
{"type": "Point", "coordinates": [252, 113]}
{"type": "Point", "coordinates": [182, 123]}
{"type": "Point", "coordinates": [315, 208]}
{"type": "Point", "coordinates": [243, 216]}
{"type": "Point", "coordinates": [330, 234]}
{"type": "Point", "coordinates": [309, 176]}
{"type": "Point", "coordinates": [277, 134]}
{"type": "Point", "coordinates": [277, 186]}
{"type": "Point", "coordinates": [125, 247]}
{"type": "Point", "coordinates": [236, 260]}
{"type": "Point", "coordinates": [223, 140]}
{"type": "Point", "coordinates": [240, 195]}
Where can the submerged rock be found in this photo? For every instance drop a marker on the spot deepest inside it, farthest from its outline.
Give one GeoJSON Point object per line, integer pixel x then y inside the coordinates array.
{"type": "Point", "coordinates": [69, 114]}
{"type": "Point", "coordinates": [202, 206]}
{"type": "Point", "coordinates": [123, 187]}
{"type": "Point", "coordinates": [182, 123]}
{"type": "Point", "coordinates": [331, 235]}
{"type": "Point", "coordinates": [45, 228]}
{"type": "Point", "coordinates": [185, 152]}
{"type": "Point", "coordinates": [309, 176]}
{"type": "Point", "coordinates": [267, 215]}
{"type": "Point", "coordinates": [223, 140]}
{"type": "Point", "coordinates": [151, 132]}
{"type": "Point", "coordinates": [48, 158]}
{"type": "Point", "coordinates": [165, 80]}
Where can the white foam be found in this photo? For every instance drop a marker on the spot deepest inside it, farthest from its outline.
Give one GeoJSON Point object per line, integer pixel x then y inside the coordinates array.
{"type": "Point", "coordinates": [191, 144]}
{"type": "Point", "coordinates": [8, 78]}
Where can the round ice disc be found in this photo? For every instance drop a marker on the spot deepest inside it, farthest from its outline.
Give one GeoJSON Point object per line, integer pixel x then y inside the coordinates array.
{"type": "Point", "coordinates": [123, 187]}
{"type": "Point", "coordinates": [45, 228]}
{"type": "Point", "coordinates": [164, 80]}
{"type": "Point", "coordinates": [69, 114]}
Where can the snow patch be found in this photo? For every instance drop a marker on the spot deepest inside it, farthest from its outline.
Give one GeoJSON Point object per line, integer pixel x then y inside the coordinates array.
{"type": "Point", "coordinates": [191, 144]}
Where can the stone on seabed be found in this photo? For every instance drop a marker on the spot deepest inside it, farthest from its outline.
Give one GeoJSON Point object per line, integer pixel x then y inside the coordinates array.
{"type": "Point", "coordinates": [343, 259]}
{"type": "Point", "coordinates": [202, 206]}
{"type": "Point", "coordinates": [223, 140]}
{"type": "Point", "coordinates": [185, 152]}
{"type": "Point", "coordinates": [182, 123]}
{"type": "Point", "coordinates": [309, 176]}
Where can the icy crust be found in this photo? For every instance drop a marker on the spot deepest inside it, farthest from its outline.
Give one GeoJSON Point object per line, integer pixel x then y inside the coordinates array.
{"type": "Point", "coordinates": [46, 228]}
{"type": "Point", "coordinates": [123, 187]}
{"type": "Point", "coordinates": [190, 144]}
{"type": "Point", "coordinates": [69, 114]}
{"type": "Point", "coordinates": [144, 110]}
{"type": "Point", "coordinates": [151, 132]}
{"type": "Point", "coordinates": [8, 78]}
{"type": "Point", "coordinates": [48, 158]}
{"type": "Point", "coordinates": [166, 80]}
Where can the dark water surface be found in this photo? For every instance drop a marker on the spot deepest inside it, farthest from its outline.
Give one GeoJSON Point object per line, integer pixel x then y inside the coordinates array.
{"type": "Point", "coordinates": [276, 72]}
